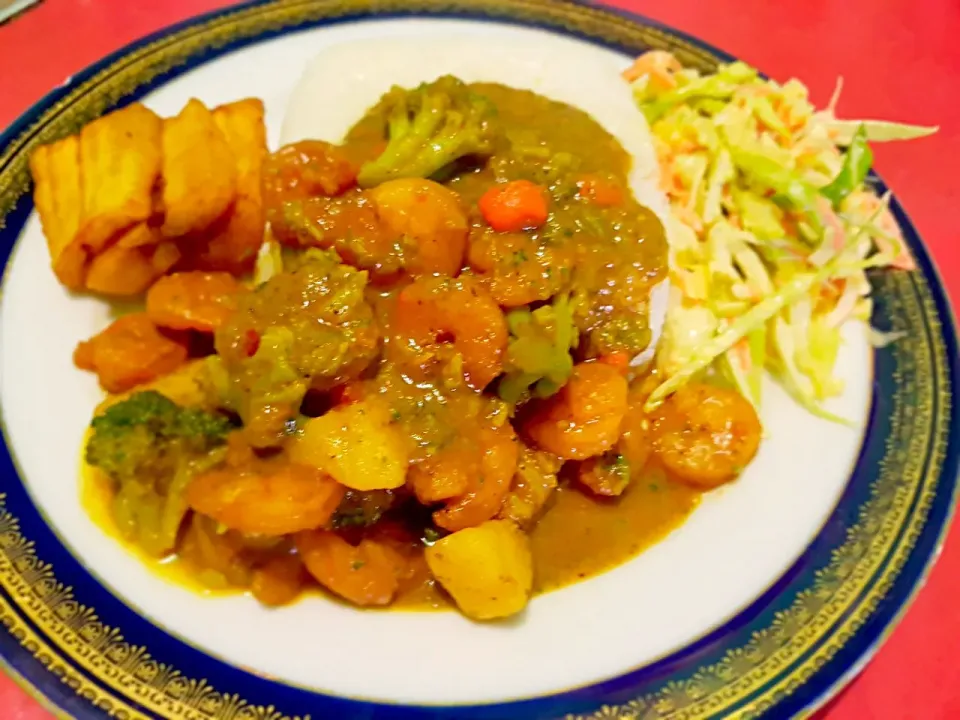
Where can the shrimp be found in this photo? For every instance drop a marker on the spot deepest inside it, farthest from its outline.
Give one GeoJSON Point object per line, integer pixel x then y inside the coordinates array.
{"type": "Point", "coordinates": [130, 352]}
{"type": "Point", "coordinates": [221, 557]}
{"type": "Point", "coordinates": [435, 311]}
{"type": "Point", "coordinates": [583, 419]}
{"type": "Point", "coordinates": [609, 474]}
{"type": "Point", "coordinates": [364, 574]}
{"type": "Point", "coordinates": [516, 268]}
{"type": "Point", "coordinates": [532, 486]}
{"type": "Point", "coordinates": [347, 224]}
{"type": "Point", "coordinates": [310, 168]}
{"type": "Point", "coordinates": [193, 300]}
{"type": "Point", "coordinates": [705, 435]}
{"type": "Point", "coordinates": [489, 486]}
{"type": "Point", "coordinates": [659, 65]}
{"type": "Point", "coordinates": [266, 497]}
{"type": "Point", "coordinates": [430, 220]}
{"type": "Point", "coordinates": [278, 581]}
{"type": "Point", "coordinates": [606, 475]}
{"type": "Point", "coordinates": [447, 473]}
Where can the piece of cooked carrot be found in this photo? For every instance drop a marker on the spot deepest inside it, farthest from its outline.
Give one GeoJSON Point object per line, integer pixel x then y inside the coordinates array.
{"type": "Point", "coordinates": [514, 206]}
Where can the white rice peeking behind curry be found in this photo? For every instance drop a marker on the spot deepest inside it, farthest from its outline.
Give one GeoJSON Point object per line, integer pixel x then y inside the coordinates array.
{"type": "Point", "coordinates": [341, 83]}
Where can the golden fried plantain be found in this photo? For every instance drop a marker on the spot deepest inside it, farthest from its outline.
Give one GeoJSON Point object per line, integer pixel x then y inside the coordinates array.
{"type": "Point", "coordinates": [233, 248]}
{"type": "Point", "coordinates": [199, 172]}
{"type": "Point", "coordinates": [58, 198]}
{"type": "Point", "coordinates": [140, 235]}
{"type": "Point", "coordinates": [119, 166]}
{"type": "Point", "coordinates": [122, 270]}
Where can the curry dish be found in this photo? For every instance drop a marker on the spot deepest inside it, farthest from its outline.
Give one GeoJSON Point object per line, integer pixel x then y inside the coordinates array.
{"type": "Point", "coordinates": [428, 391]}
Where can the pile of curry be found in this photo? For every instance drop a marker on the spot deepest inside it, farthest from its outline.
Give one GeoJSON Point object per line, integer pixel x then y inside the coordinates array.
{"type": "Point", "coordinates": [398, 368]}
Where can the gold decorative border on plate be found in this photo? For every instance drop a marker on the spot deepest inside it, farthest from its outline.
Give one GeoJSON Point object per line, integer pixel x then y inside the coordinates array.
{"type": "Point", "coordinates": [821, 619]}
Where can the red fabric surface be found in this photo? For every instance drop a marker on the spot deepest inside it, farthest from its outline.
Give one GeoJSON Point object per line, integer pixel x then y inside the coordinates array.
{"type": "Point", "coordinates": [900, 60]}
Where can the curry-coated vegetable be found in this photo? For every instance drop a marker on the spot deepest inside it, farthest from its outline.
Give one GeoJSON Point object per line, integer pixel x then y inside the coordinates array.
{"type": "Point", "coordinates": [430, 127]}
{"type": "Point", "coordinates": [309, 327]}
{"type": "Point", "coordinates": [514, 206]}
{"type": "Point", "coordinates": [356, 444]}
{"type": "Point", "coordinates": [488, 569]}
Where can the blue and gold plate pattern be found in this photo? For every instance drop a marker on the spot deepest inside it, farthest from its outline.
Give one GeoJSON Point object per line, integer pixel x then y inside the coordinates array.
{"type": "Point", "coordinates": [87, 654]}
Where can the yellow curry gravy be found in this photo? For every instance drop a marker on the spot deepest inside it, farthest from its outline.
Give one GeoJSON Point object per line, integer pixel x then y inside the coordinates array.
{"type": "Point", "coordinates": [579, 537]}
{"type": "Point", "coordinates": [613, 255]}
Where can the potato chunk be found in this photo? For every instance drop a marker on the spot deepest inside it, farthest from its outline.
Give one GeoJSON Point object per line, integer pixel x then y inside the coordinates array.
{"type": "Point", "coordinates": [355, 444]}
{"type": "Point", "coordinates": [199, 171]}
{"type": "Point", "coordinates": [119, 166]}
{"type": "Point", "coordinates": [488, 569]}
{"type": "Point", "coordinates": [58, 197]}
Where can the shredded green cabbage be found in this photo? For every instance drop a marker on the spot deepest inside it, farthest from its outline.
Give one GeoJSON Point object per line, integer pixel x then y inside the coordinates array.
{"type": "Point", "coordinates": [773, 226]}
{"type": "Point", "coordinates": [843, 131]}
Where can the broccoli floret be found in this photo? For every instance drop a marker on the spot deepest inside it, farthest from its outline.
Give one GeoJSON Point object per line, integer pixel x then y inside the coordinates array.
{"type": "Point", "coordinates": [538, 354]}
{"type": "Point", "coordinates": [308, 327]}
{"type": "Point", "coordinates": [430, 127]}
{"type": "Point", "coordinates": [151, 448]}
{"type": "Point", "coordinates": [148, 436]}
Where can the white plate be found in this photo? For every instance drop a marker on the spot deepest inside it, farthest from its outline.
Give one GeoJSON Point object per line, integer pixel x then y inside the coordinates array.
{"type": "Point", "coordinates": [733, 547]}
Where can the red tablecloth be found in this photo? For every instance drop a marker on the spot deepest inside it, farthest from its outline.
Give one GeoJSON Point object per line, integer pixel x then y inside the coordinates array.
{"type": "Point", "coordinates": [900, 60]}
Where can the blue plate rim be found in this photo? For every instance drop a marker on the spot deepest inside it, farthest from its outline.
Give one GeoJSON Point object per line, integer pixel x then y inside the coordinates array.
{"type": "Point", "coordinates": [948, 322]}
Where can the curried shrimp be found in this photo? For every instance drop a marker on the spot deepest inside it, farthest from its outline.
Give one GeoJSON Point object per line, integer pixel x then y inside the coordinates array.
{"type": "Point", "coordinates": [583, 419]}
{"type": "Point", "coordinates": [490, 486]}
{"type": "Point", "coordinates": [429, 219]}
{"type": "Point", "coordinates": [532, 486]}
{"type": "Point", "coordinates": [220, 557]}
{"type": "Point", "coordinates": [278, 581]}
{"type": "Point", "coordinates": [608, 475]}
{"type": "Point", "coordinates": [193, 300]}
{"type": "Point", "coordinates": [516, 268]}
{"type": "Point", "coordinates": [310, 168]}
{"type": "Point", "coordinates": [266, 497]}
{"type": "Point", "coordinates": [705, 435]}
{"type": "Point", "coordinates": [447, 473]}
{"type": "Point", "coordinates": [364, 574]}
{"type": "Point", "coordinates": [130, 352]}
{"type": "Point", "coordinates": [435, 311]}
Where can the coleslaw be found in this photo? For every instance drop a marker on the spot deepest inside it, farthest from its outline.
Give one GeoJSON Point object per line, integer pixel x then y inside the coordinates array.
{"type": "Point", "coordinates": [773, 226]}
